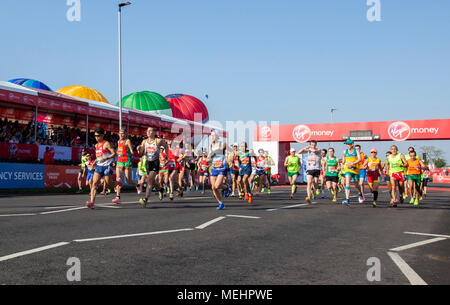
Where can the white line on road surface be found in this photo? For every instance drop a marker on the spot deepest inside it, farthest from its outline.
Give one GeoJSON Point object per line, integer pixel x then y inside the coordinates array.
{"type": "Point", "coordinates": [16, 215]}
{"type": "Point", "coordinates": [202, 226]}
{"type": "Point", "coordinates": [131, 235]}
{"type": "Point", "coordinates": [410, 274]}
{"type": "Point", "coordinates": [418, 244]}
{"type": "Point", "coordinates": [11, 256]}
{"type": "Point", "coordinates": [242, 216]}
{"type": "Point", "coordinates": [61, 211]}
{"type": "Point", "coordinates": [427, 234]}
{"type": "Point", "coordinates": [61, 207]}
{"type": "Point", "coordinates": [289, 207]}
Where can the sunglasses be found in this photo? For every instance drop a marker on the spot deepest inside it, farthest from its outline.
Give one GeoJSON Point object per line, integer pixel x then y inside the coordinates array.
{"type": "Point", "coordinates": [98, 135]}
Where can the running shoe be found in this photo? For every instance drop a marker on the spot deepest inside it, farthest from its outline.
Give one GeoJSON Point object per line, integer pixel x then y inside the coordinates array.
{"type": "Point", "coordinates": [90, 204]}
{"type": "Point", "coordinates": [374, 204]}
{"type": "Point", "coordinates": [292, 196]}
{"type": "Point", "coordinates": [313, 197]}
{"type": "Point", "coordinates": [360, 199]}
{"type": "Point", "coordinates": [138, 189]}
{"type": "Point", "coordinates": [323, 195]}
{"type": "Point", "coordinates": [346, 202]}
{"type": "Point", "coordinates": [411, 201]}
{"type": "Point", "coordinates": [250, 199]}
{"type": "Point", "coordinates": [308, 200]}
{"type": "Point", "coordinates": [363, 197]}
{"type": "Point", "coordinates": [171, 196]}
{"type": "Point", "coordinates": [405, 196]}
{"type": "Point", "coordinates": [246, 197]}
{"type": "Point", "coordinates": [421, 198]}
{"type": "Point", "coordinates": [269, 191]}
{"type": "Point", "coordinates": [262, 190]}
{"type": "Point", "coordinates": [116, 200]}
{"type": "Point", "coordinates": [143, 202]}
{"type": "Point", "coordinates": [334, 199]}
{"type": "Point", "coordinates": [221, 206]}
{"type": "Point", "coordinates": [227, 191]}
{"type": "Point", "coordinates": [160, 194]}
{"type": "Point", "coordinates": [108, 191]}
{"type": "Point", "coordinates": [79, 191]}
{"type": "Point", "coordinates": [196, 188]}
{"type": "Point", "coordinates": [416, 202]}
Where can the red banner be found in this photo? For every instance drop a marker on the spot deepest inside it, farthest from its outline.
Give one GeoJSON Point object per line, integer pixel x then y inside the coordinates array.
{"type": "Point", "coordinates": [18, 151]}
{"type": "Point", "coordinates": [365, 131]}
{"type": "Point", "coordinates": [60, 176]}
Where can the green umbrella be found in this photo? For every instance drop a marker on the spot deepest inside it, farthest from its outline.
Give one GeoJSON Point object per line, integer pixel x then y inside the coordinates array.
{"type": "Point", "coordinates": [147, 101]}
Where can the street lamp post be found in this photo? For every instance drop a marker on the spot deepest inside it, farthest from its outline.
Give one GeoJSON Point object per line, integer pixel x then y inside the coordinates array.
{"type": "Point", "coordinates": [120, 62]}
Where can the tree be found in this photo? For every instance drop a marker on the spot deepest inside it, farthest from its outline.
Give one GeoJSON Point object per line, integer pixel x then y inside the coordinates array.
{"type": "Point", "coordinates": [440, 163]}
{"type": "Point", "coordinates": [434, 155]}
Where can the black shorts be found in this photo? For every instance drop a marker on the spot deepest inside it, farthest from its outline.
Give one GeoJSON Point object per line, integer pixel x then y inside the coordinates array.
{"type": "Point", "coordinates": [191, 166]}
{"type": "Point", "coordinates": [425, 182]}
{"type": "Point", "coordinates": [334, 179]}
{"type": "Point", "coordinates": [314, 172]}
{"type": "Point", "coordinates": [205, 173]}
{"type": "Point", "coordinates": [83, 170]}
{"type": "Point", "coordinates": [152, 166]}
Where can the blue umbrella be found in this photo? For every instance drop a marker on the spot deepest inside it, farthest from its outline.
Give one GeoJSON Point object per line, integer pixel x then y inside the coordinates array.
{"type": "Point", "coordinates": [30, 83]}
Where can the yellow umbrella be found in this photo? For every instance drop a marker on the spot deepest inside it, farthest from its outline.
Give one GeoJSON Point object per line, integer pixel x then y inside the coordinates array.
{"type": "Point", "coordinates": [83, 92]}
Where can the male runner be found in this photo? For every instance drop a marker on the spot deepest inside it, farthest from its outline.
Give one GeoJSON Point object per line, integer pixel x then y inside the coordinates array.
{"type": "Point", "coordinates": [292, 164]}
{"type": "Point", "coordinates": [352, 158]}
{"type": "Point", "coordinates": [312, 168]}
{"type": "Point", "coordinates": [373, 167]}
{"type": "Point", "coordinates": [332, 168]}
{"type": "Point", "coordinates": [395, 165]}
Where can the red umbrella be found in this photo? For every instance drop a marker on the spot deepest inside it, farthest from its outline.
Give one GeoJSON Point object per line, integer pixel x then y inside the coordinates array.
{"type": "Point", "coordinates": [185, 107]}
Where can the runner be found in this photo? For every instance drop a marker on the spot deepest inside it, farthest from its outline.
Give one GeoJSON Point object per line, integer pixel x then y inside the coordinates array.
{"type": "Point", "coordinates": [332, 168]}
{"type": "Point", "coordinates": [261, 168]}
{"type": "Point", "coordinates": [172, 159]}
{"type": "Point", "coordinates": [312, 168]}
{"type": "Point", "coordinates": [405, 173]}
{"type": "Point", "coordinates": [292, 164]}
{"type": "Point", "coordinates": [253, 179]}
{"type": "Point", "coordinates": [414, 176]}
{"type": "Point", "coordinates": [373, 167]}
{"type": "Point", "coordinates": [124, 164]}
{"type": "Point", "coordinates": [190, 165]}
{"type": "Point", "coordinates": [323, 166]}
{"type": "Point", "coordinates": [425, 180]}
{"type": "Point", "coordinates": [268, 172]}
{"type": "Point", "coordinates": [203, 166]}
{"type": "Point", "coordinates": [90, 166]}
{"type": "Point", "coordinates": [142, 173]}
{"type": "Point", "coordinates": [219, 168]}
{"type": "Point", "coordinates": [82, 172]}
{"type": "Point", "coordinates": [163, 172]}
{"type": "Point", "coordinates": [352, 158]}
{"type": "Point", "coordinates": [105, 155]}
{"type": "Point", "coordinates": [245, 171]}
{"type": "Point", "coordinates": [387, 174]}
{"type": "Point", "coordinates": [179, 150]}
{"type": "Point", "coordinates": [362, 174]}
{"type": "Point", "coordinates": [233, 159]}
{"type": "Point", "coordinates": [395, 165]}
{"type": "Point", "coordinates": [151, 148]}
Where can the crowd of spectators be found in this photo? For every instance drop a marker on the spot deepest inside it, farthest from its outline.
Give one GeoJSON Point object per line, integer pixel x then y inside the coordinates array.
{"type": "Point", "coordinates": [14, 132]}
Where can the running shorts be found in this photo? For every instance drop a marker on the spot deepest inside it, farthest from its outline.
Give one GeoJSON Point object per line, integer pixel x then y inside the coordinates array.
{"type": "Point", "coordinates": [362, 173]}
{"type": "Point", "coordinates": [219, 171]}
{"type": "Point", "coordinates": [313, 172]}
{"type": "Point", "coordinates": [203, 173]}
{"type": "Point", "coordinates": [398, 176]}
{"type": "Point", "coordinates": [416, 178]}
{"type": "Point", "coordinates": [260, 172]}
{"type": "Point", "coordinates": [334, 179]}
{"type": "Point", "coordinates": [82, 170]}
{"type": "Point", "coordinates": [373, 177]}
{"type": "Point", "coordinates": [353, 175]}
{"type": "Point", "coordinates": [163, 171]}
{"type": "Point", "coordinates": [245, 171]}
{"type": "Point", "coordinates": [292, 174]}
{"type": "Point", "coordinates": [152, 166]}
{"type": "Point", "coordinates": [104, 171]}
{"type": "Point", "coordinates": [90, 176]}
{"type": "Point", "coordinates": [127, 164]}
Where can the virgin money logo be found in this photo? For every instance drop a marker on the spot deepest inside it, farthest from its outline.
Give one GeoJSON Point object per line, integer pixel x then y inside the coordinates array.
{"type": "Point", "coordinates": [301, 133]}
{"type": "Point", "coordinates": [399, 131]}
{"type": "Point", "coordinates": [265, 132]}
{"type": "Point", "coordinates": [13, 150]}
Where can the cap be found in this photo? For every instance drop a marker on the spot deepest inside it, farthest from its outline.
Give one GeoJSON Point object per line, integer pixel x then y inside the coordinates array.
{"type": "Point", "coordinates": [235, 144]}
{"type": "Point", "coordinates": [374, 150]}
{"type": "Point", "coordinates": [349, 142]}
{"type": "Point", "coordinates": [292, 149]}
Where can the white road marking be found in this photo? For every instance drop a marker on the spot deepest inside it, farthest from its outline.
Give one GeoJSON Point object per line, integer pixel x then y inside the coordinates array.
{"type": "Point", "coordinates": [16, 215]}
{"type": "Point", "coordinates": [427, 234]}
{"type": "Point", "coordinates": [410, 274]}
{"type": "Point", "coordinates": [62, 211]}
{"type": "Point", "coordinates": [18, 254]}
{"type": "Point", "coordinates": [202, 226]}
{"type": "Point", "coordinates": [131, 235]}
{"type": "Point", "coordinates": [418, 244]}
{"type": "Point", "coordinates": [61, 207]}
{"type": "Point", "coordinates": [289, 207]}
{"type": "Point", "coordinates": [242, 216]}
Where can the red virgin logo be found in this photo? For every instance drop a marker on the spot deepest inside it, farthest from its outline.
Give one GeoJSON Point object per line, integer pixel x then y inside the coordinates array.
{"type": "Point", "coordinates": [301, 133]}
{"type": "Point", "coordinates": [399, 131]}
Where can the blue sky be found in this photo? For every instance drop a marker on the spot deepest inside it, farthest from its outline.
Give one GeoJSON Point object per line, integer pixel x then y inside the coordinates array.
{"type": "Point", "coordinates": [288, 61]}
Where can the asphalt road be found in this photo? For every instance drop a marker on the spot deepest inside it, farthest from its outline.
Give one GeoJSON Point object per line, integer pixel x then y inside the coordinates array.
{"type": "Point", "coordinates": [273, 241]}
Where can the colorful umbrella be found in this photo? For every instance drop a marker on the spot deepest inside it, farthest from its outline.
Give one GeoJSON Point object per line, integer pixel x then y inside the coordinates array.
{"type": "Point", "coordinates": [83, 92]}
{"type": "Point", "coordinates": [147, 101]}
{"type": "Point", "coordinates": [187, 107]}
{"type": "Point", "coordinates": [30, 83]}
